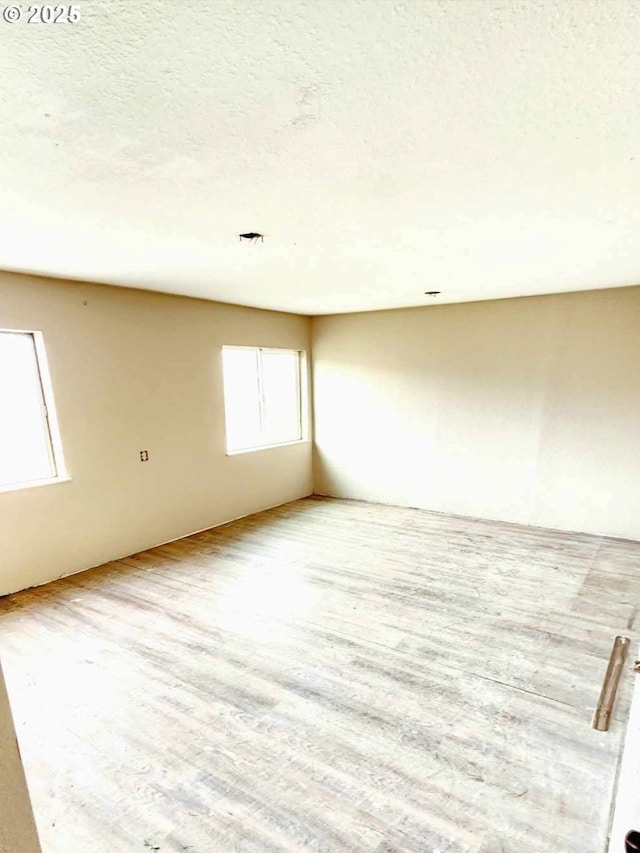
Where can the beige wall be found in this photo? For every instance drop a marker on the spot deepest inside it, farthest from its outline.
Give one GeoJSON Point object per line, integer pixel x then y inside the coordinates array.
{"type": "Point", "coordinates": [17, 828]}
{"type": "Point", "coordinates": [134, 370]}
{"type": "Point", "coordinates": [525, 410]}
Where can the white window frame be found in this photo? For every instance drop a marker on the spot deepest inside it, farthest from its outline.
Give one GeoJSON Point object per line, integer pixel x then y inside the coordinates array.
{"type": "Point", "coordinates": [50, 421]}
{"type": "Point", "coordinates": [303, 398]}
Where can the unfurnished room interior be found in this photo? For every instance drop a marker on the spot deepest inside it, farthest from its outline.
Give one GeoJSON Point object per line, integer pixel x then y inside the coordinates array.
{"type": "Point", "coordinates": [320, 426]}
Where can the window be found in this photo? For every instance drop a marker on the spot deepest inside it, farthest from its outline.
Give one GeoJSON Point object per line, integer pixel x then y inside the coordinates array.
{"type": "Point", "coordinates": [29, 443]}
{"type": "Point", "coordinates": [262, 397]}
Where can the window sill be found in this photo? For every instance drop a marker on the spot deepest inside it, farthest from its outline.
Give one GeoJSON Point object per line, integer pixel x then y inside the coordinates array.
{"type": "Point", "coordinates": [33, 484]}
{"type": "Point", "coordinates": [267, 447]}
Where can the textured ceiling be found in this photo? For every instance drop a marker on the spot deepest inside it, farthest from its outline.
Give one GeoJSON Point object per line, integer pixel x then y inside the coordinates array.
{"type": "Point", "coordinates": [484, 149]}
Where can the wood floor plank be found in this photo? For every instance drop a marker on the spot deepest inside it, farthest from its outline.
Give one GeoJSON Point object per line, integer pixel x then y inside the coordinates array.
{"type": "Point", "coordinates": [327, 676]}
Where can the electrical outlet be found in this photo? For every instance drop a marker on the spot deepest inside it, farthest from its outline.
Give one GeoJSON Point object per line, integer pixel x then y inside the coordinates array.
{"type": "Point", "coordinates": [144, 455]}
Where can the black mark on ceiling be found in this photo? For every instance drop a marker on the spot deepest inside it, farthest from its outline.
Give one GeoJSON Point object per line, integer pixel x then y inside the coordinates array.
{"type": "Point", "coordinates": [432, 293]}
{"type": "Point", "coordinates": [253, 236]}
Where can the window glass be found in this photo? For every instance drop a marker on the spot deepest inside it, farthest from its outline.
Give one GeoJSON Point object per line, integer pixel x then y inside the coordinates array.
{"type": "Point", "coordinates": [280, 376]}
{"type": "Point", "coordinates": [26, 452]}
{"type": "Point", "coordinates": [262, 397]}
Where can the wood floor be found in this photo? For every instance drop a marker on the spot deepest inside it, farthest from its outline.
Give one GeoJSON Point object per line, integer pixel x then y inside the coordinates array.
{"type": "Point", "coordinates": [326, 676]}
